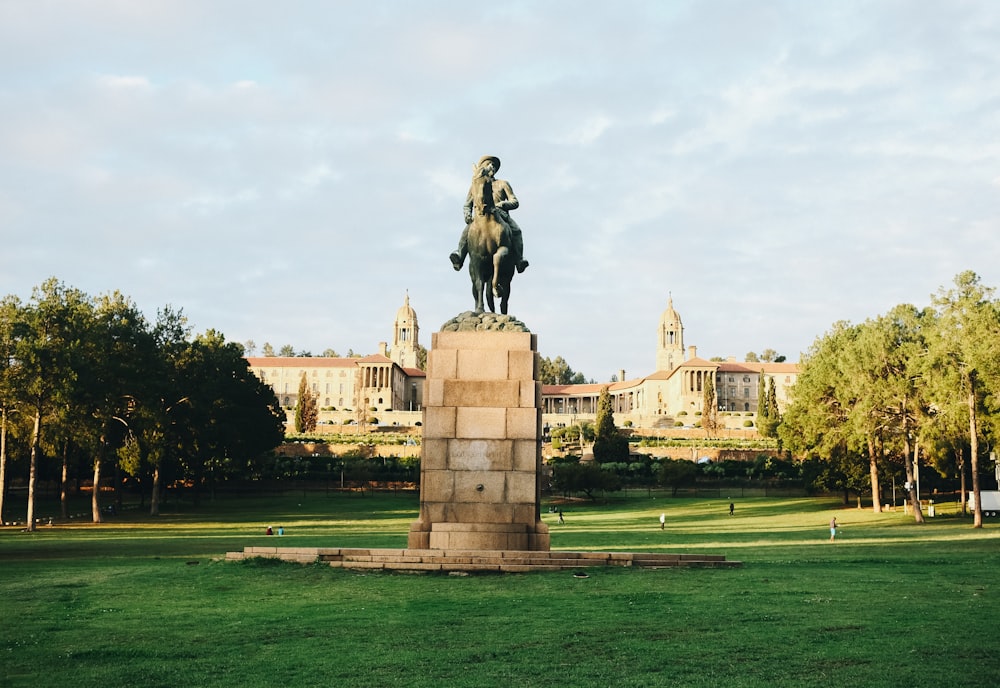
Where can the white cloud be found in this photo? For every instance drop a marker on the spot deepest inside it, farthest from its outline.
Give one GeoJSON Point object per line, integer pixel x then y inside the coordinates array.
{"type": "Point", "coordinates": [121, 82]}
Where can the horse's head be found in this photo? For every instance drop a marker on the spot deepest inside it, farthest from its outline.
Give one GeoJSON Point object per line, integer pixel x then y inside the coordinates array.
{"type": "Point", "coordinates": [482, 188]}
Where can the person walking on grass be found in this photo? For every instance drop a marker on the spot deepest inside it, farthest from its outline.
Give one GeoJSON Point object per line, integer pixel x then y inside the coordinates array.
{"type": "Point", "coordinates": [663, 520]}
{"type": "Point", "coordinates": [833, 528]}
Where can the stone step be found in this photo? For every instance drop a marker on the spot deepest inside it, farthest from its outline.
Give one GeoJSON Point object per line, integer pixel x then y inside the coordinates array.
{"type": "Point", "coordinates": [512, 561]}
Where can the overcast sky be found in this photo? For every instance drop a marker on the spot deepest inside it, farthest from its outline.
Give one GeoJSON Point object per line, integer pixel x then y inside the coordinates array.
{"type": "Point", "coordinates": [287, 172]}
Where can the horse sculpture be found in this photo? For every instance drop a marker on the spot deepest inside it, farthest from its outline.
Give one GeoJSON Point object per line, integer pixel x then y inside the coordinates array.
{"type": "Point", "coordinates": [491, 264]}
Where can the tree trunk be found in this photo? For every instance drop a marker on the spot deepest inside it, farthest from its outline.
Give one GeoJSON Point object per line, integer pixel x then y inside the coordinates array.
{"type": "Point", "coordinates": [960, 462]}
{"type": "Point", "coordinates": [977, 515]}
{"type": "Point", "coordinates": [64, 483]}
{"type": "Point", "coordinates": [873, 470]}
{"type": "Point", "coordinates": [95, 495]}
{"type": "Point", "coordinates": [154, 500]}
{"type": "Point", "coordinates": [3, 459]}
{"type": "Point", "coordinates": [36, 442]}
{"type": "Point", "coordinates": [911, 492]}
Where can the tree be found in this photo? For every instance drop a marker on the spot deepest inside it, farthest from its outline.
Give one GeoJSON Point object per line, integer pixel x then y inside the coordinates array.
{"type": "Point", "coordinates": [572, 476]}
{"type": "Point", "coordinates": [157, 433]}
{"type": "Point", "coordinates": [965, 351]}
{"type": "Point", "coordinates": [230, 416]}
{"type": "Point", "coordinates": [10, 310]}
{"type": "Point", "coordinates": [709, 405]}
{"type": "Point", "coordinates": [48, 357]}
{"type": "Point", "coordinates": [286, 351]}
{"type": "Point", "coordinates": [751, 357]}
{"type": "Point", "coordinates": [676, 473]}
{"type": "Point", "coordinates": [609, 444]}
{"type": "Point", "coordinates": [421, 357]}
{"type": "Point", "coordinates": [119, 351]}
{"type": "Point", "coordinates": [768, 417]}
{"type": "Point", "coordinates": [768, 355]}
{"type": "Point", "coordinates": [250, 347]}
{"type": "Point", "coordinates": [306, 411]}
{"type": "Point", "coordinates": [268, 350]}
{"type": "Point", "coordinates": [330, 353]}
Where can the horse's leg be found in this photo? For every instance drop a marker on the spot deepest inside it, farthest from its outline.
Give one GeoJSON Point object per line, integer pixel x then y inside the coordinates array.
{"type": "Point", "coordinates": [477, 286]}
{"type": "Point", "coordinates": [503, 299]}
{"type": "Point", "coordinates": [498, 257]}
{"type": "Point", "coordinates": [489, 295]}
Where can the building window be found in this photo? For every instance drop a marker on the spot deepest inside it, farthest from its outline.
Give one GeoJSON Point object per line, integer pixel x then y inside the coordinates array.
{"type": "Point", "coordinates": [746, 393]}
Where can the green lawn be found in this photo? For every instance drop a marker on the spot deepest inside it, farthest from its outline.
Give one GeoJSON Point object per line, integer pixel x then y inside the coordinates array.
{"type": "Point", "coordinates": [141, 602]}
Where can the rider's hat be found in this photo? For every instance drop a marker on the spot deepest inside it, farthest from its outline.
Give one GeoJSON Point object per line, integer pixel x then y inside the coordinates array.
{"type": "Point", "coordinates": [493, 158]}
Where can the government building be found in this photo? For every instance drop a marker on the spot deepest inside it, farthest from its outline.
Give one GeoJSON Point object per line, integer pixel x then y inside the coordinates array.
{"type": "Point", "coordinates": [388, 385]}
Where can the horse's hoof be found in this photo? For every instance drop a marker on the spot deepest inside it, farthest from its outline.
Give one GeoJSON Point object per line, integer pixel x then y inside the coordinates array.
{"type": "Point", "coordinates": [456, 261]}
{"type": "Point", "coordinates": [521, 266]}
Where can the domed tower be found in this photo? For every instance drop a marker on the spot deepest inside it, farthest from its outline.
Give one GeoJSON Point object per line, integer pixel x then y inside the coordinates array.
{"type": "Point", "coordinates": [670, 345]}
{"type": "Point", "coordinates": [404, 336]}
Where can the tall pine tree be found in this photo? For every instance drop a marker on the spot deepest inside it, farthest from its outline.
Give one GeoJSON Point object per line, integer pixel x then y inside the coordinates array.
{"type": "Point", "coordinates": [306, 411]}
{"type": "Point", "coordinates": [609, 444]}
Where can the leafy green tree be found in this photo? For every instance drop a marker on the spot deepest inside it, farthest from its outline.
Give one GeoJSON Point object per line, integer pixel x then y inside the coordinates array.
{"type": "Point", "coordinates": [609, 444]}
{"type": "Point", "coordinates": [676, 473]}
{"type": "Point", "coordinates": [330, 353]}
{"type": "Point", "coordinates": [815, 422]}
{"type": "Point", "coordinates": [48, 358]}
{"type": "Point", "coordinates": [286, 351]}
{"type": "Point", "coordinates": [156, 431]}
{"type": "Point", "coordinates": [10, 308]}
{"type": "Point", "coordinates": [751, 357]}
{"type": "Point", "coordinates": [966, 351]}
{"type": "Point", "coordinates": [230, 416]}
{"type": "Point", "coordinates": [268, 350]}
{"type": "Point", "coordinates": [556, 371]}
{"type": "Point", "coordinates": [119, 351]}
{"type": "Point", "coordinates": [569, 477]}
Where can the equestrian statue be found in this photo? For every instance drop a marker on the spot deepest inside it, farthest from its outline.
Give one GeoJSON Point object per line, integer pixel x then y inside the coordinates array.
{"type": "Point", "coordinates": [491, 239]}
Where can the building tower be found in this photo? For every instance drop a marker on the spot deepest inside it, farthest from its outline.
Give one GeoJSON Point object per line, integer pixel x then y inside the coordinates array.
{"type": "Point", "coordinates": [670, 345]}
{"type": "Point", "coordinates": [404, 336]}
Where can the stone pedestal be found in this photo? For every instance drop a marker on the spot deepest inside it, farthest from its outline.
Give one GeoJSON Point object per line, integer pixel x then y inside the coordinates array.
{"type": "Point", "coordinates": [479, 473]}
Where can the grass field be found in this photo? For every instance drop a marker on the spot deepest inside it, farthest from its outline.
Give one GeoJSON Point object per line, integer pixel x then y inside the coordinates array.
{"type": "Point", "coordinates": [142, 602]}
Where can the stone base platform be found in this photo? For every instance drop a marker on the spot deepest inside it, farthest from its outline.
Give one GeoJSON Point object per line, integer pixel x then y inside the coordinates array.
{"type": "Point", "coordinates": [478, 561]}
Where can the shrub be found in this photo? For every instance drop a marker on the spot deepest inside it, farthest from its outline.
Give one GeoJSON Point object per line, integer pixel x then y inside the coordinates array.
{"type": "Point", "coordinates": [748, 424]}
